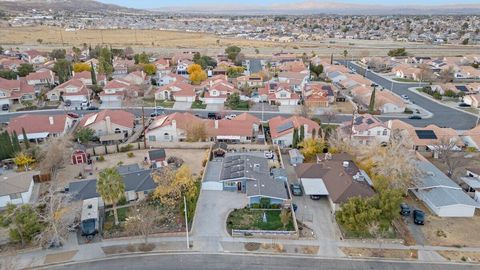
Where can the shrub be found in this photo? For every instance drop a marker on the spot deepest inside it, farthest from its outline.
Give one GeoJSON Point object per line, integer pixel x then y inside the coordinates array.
{"type": "Point", "coordinates": [265, 203]}
{"type": "Point", "coordinates": [130, 154]}
{"type": "Point", "coordinates": [126, 148]}
{"type": "Point", "coordinates": [471, 149]}
{"type": "Point", "coordinates": [101, 158]}
{"type": "Point", "coordinates": [408, 111]}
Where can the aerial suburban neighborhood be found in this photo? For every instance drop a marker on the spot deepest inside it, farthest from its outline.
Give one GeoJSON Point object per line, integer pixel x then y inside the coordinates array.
{"type": "Point", "coordinates": [269, 137]}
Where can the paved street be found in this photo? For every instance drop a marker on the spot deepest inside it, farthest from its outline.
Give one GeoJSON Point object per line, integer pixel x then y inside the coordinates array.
{"type": "Point", "coordinates": [443, 115]}
{"type": "Point", "coordinates": [252, 262]}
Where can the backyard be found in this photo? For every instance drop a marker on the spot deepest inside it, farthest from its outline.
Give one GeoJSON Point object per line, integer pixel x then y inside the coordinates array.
{"type": "Point", "coordinates": [252, 219]}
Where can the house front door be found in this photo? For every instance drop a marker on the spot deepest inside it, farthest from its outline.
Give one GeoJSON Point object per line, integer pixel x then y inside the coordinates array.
{"type": "Point", "coordinates": [239, 186]}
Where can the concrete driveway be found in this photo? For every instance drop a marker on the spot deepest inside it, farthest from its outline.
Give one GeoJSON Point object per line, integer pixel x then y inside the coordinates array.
{"type": "Point", "coordinates": [214, 107]}
{"type": "Point", "coordinates": [182, 105]}
{"type": "Point", "coordinates": [209, 224]}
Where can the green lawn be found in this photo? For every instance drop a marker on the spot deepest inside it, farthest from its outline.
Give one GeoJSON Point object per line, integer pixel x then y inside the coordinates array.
{"type": "Point", "coordinates": [241, 106]}
{"type": "Point", "coordinates": [403, 80]}
{"type": "Point", "coordinates": [198, 105]}
{"type": "Point", "coordinates": [247, 219]}
{"type": "Point", "coordinates": [122, 215]}
{"type": "Point", "coordinates": [150, 102]}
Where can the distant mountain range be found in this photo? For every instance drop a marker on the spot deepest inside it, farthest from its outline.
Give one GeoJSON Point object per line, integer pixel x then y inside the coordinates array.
{"type": "Point", "coordinates": [294, 8]}
{"type": "Point", "coordinates": [321, 7]}
{"type": "Point", "coordinates": [62, 5]}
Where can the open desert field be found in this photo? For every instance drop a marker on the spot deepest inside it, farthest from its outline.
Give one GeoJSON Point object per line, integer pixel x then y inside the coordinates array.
{"type": "Point", "coordinates": [174, 41]}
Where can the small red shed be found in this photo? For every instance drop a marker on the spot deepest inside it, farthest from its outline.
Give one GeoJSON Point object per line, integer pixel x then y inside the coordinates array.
{"type": "Point", "coordinates": [79, 157]}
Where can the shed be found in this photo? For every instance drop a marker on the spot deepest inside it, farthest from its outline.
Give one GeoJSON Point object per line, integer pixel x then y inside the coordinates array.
{"type": "Point", "coordinates": [156, 155]}
{"type": "Point", "coordinates": [295, 156]}
{"type": "Point", "coordinates": [219, 149]}
{"type": "Point", "coordinates": [79, 156]}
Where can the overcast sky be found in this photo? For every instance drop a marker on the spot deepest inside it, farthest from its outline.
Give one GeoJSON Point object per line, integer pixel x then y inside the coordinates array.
{"type": "Point", "coordinates": [176, 3]}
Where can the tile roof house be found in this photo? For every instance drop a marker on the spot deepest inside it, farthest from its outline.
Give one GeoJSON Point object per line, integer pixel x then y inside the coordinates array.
{"type": "Point", "coordinates": [136, 77]}
{"type": "Point", "coordinates": [281, 129]}
{"type": "Point", "coordinates": [407, 72]}
{"type": "Point", "coordinates": [293, 66]}
{"type": "Point", "coordinates": [217, 89]}
{"type": "Point", "coordinates": [117, 89]}
{"type": "Point", "coordinates": [467, 72]}
{"type": "Point", "coordinates": [178, 91]}
{"type": "Point", "coordinates": [15, 91]}
{"type": "Point", "coordinates": [472, 100]}
{"type": "Point", "coordinates": [74, 90]}
{"type": "Point", "coordinates": [296, 80]}
{"type": "Point", "coordinates": [110, 125]}
{"type": "Point", "coordinates": [335, 176]}
{"type": "Point", "coordinates": [366, 129]}
{"type": "Point", "coordinates": [428, 138]}
{"type": "Point", "coordinates": [441, 194]}
{"type": "Point", "coordinates": [385, 101]}
{"type": "Point", "coordinates": [34, 57]}
{"type": "Point", "coordinates": [172, 127]}
{"type": "Point", "coordinates": [11, 63]}
{"type": "Point", "coordinates": [16, 188]}
{"type": "Point", "coordinates": [86, 78]}
{"type": "Point", "coordinates": [40, 126]}
{"type": "Point", "coordinates": [279, 94]}
{"type": "Point", "coordinates": [41, 78]}
{"type": "Point", "coordinates": [318, 94]}
{"type": "Point", "coordinates": [471, 137]}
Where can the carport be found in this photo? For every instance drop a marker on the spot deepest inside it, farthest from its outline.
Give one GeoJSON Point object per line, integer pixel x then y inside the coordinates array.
{"type": "Point", "coordinates": [314, 186]}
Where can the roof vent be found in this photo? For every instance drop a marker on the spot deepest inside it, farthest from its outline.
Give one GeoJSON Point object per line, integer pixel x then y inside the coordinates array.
{"type": "Point", "coordinates": [345, 164]}
{"type": "Point", "coordinates": [431, 173]}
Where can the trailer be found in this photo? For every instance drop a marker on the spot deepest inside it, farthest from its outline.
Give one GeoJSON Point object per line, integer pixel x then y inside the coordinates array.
{"type": "Point", "coordinates": [89, 223]}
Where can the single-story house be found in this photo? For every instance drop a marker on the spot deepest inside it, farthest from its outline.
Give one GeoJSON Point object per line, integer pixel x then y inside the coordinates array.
{"type": "Point", "coordinates": [282, 129]}
{"type": "Point", "coordinates": [38, 127]}
{"type": "Point", "coordinates": [440, 193]}
{"type": "Point", "coordinates": [110, 125]}
{"type": "Point", "coordinates": [16, 188]}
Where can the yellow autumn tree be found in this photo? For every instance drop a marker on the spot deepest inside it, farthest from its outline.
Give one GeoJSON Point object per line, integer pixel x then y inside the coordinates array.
{"type": "Point", "coordinates": [311, 147]}
{"type": "Point", "coordinates": [196, 74]}
{"type": "Point", "coordinates": [79, 67]}
{"type": "Point", "coordinates": [22, 160]}
{"type": "Point", "coordinates": [172, 185]}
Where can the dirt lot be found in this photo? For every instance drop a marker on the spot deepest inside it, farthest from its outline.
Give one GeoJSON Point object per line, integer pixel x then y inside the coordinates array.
{"type": "Point", "coordinates": [460, 256]}
{"type": "Point", "coordinates": [408, 254]}
{"type": "Point", "coordinates": [171, 41]}
{"type": "Point", "coordinates": [472, 162]}
{"type": "Point", "coordinates": [452, 231]}
{"type": "Point", "coordinates": [192, 157]}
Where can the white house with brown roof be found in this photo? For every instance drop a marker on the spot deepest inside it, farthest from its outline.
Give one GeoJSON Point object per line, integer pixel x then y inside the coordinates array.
{"type": "Point", "coordinates": [34, 57]}
{"type": "Point", "coordinates": [40, 126]}
{"type": "Point", "coordinates": [74, 90]}
{"type": "Point", "coordinates": [279, 94]}
{"type": "Point", "coordinates": [366, 129]}
{"type": "Point", "coordinates": [41, 78]}
{"type": "Point", "coordinates": [15, 91]}
{"type": "Point", "coordinates": [178, 91]}
{"type": "Point", "coordinates": [467, 72]}
{"type": "Point", "coordinates": [110, 125]}
{"type": "Point", "coordinates": [282, 129]}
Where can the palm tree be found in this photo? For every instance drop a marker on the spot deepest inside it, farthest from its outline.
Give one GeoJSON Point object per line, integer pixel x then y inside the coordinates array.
{"type": "Point", "coordinates": [111, 188]}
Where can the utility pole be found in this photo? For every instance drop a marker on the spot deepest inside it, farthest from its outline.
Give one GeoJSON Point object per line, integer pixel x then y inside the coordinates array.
{"type": "Point", "coordinates": [186, 220]}
{"type": "Point", "coordinates": [143, 128]}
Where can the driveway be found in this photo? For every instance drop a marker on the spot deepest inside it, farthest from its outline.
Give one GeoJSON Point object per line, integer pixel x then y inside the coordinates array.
{"type": "Point", "coordinates": [291, 109]}
{"type": "Point", "coordinates": [111, 104]}
{"type": "Point", "coordinates": [214, 107]}
{"type": "Point", "coordinates": [209, 224]}
{"type": "Point", "coordinates": [182, 105]}
{"type": "Point", "coordinates": [316, 215]}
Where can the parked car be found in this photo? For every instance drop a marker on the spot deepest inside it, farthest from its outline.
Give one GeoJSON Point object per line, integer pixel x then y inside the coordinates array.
{"type": "Point", "coordinates": [230, 116]}
{"type": "Point", "coordinates": [463, 105]}
{"type": "Point", "coordinates": [92, 108]}
{"type": "Point", "coordinates": [405, 97]}
{"type": "Point", "coordinates": [404, 209]}
{"type": "Point", "coordinates": [268, 154]}
{"type": "Point", "coordinates": [67, 103]}
{"type": "Point", "coordinates": [315, 197]}
{"type": "Point", "coordinates": [296, 189]}
{"type": "Point", "coordinates": [418, 217]}
{"type": "Point", "coordinates": [415, 117]}
{"type": "Point", "coordinates": [212, 115]}
{"type": "Point", "coordinates": [85, 104]}
{"type": "Point", "coordinates": [5, 107]}
{"type": "Point", "coordinates": [73, 115]}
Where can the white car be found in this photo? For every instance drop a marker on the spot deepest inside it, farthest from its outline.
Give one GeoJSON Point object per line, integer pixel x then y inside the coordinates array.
{"type": "Point", "coordinates": [405, 97]}
{"type": "Point", "coordinates": [268, 154]}
{"type": "Point", "coordinates": [230, 116]}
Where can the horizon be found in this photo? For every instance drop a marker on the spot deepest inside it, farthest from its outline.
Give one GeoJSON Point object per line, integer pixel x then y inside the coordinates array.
{"type": "Point", "coordinates": [147, 4]}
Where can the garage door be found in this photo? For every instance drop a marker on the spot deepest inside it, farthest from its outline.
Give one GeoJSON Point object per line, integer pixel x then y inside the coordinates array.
{"type": "Point", "coordinates": [314, 186]}
{"type": "Point", "coordinates": [212, 185]}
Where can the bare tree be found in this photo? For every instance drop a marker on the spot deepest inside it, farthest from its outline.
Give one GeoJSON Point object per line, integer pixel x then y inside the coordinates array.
{"type": "Point", "coordinates": [197, 132]}
{"type": "Point", "coordinates": [445, 150]}
{"type": "Point", "coordinates": [143, 221]}
{"type": "Point", "coordinates": [59, 214]}
{"type": "Point", "coordinates": [446, 75]}
{"type": "Point", "coordinates": [55, 154]}
{"type": "Point", "coordinates": [426, 73]}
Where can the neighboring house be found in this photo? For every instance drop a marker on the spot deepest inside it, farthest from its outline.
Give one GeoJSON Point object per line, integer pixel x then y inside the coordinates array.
{"type": "Point", "coordinates": [178, 91]}
{"type": "Point", "coordinates": [282, 129]}
{"type": "Point", "coordinates": [366, 129]}
{"type": "Point", "coordinates": [165, 79]}
{"type": "Point", "coordinates": [296, 80]}
{"type": "Point", "coordinates": [467, 72]}
{"type": "Point", "coordinates": [217, 90]}
{"type": "Point", "coordinates": [16, 188]}
{"type": "Point", "coordinates": [318, 95]}
{"type": "Point", "coordinates": [172, 128]}
{"type": "Point", "coordinates": [237, 130]}
{"type": "Point", "coordinates": [441, 194]}
{"type": "Point", "coordinates": [15, 91]}
{"type": "Point", "coordinates": [334, 176]}
{"type": "Point", "coordinates": [116, 90]}
{"type": "Point", "coordinates": [11, 63]}
{"type": "Point", "coordinates": [245, 173]}
{"type": "Point", "coordinates": [34, 57]}
{"type": "Point", "coordinates": [385, 101]}
{"type": "Point", "coordinates": [279, 94]}
{"type": "Point", "coordinates": [38, 127]}
{"type": "Point", "coordinates": [86, 78]}
{"type": "Point", "coordinates": [120, 67]}
{"type": "Point", "coordinates": [471, 183]}
{"type": "Point", "coordinates": [138, 184]}
{"type": "Point", "coordinates": [74, 90]}
{"type": "Point", "coordinates": [252, 81]}
{"type": "Point", "coordinates": [472, 100]}
{"type": "Point", "coordinates": [407, 72]}
{"type": "Point", "coordinates": [136, 77]}
{"type": "Point", "coordinates": [110, 125]}
{"type": "Point", "coordinates": [471, 137]}
{"type": "Point", "coordinates": [41, 78]}
{"type": "Point", "coordinates": [427, 139]}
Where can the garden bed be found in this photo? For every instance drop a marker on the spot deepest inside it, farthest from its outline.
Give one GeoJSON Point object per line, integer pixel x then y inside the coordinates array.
{"type": "Point", "coordinates": [250, 219]}
{"type": "Point", "coordinates": [406, 254]}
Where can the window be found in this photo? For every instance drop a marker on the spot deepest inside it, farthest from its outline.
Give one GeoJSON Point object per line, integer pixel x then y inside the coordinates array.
{"type": "Point", "coordinates": [166, 136]}
{"type": "Point", "coordinates": [283, 95]}
{"type": "Point", "coordinates": [378, 132]}
{"type": "Point", "coordinates": [230, 184]}
{"type": "Point", "coordinates": [151, 138]}
{"type": "Point", "coordinates": [15, 196]}
{"type": "Point", "coordinates": [369, 132]}
{"type": "Point", "coordinates": [117, 130]}
{"type": "Point", "coordinates": [385, 132]}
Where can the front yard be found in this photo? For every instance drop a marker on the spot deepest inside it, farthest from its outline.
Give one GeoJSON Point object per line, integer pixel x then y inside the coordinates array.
{"type": "Point", "coordinates": [150, 102]}
{"type": "Point", "coordinates": [241, 106]}
{"type": "Point", "coordinates": [252, 219]}
{"type": "Point", "coordinates": [198, 105]}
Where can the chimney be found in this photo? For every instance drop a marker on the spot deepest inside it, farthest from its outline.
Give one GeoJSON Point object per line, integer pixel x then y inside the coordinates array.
{"type": "Point", "coordinates": [174, 124]}
{"type": "Point", "coordinates": [216, 124]}
{"type": "Point", "coordinates": [108, 123]}
{"type": "Point", "coordinates": [50, 120]}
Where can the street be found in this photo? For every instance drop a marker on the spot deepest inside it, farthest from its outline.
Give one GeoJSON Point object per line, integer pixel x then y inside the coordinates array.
{"type": "Point", "coordinates": [197, 261]}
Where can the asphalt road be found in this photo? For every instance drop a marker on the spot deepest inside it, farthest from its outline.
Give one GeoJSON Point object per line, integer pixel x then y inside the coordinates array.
{"type": "Point", "coordinates": [443, 116]}
{"type": "Point", "coordinates": [251, 262]}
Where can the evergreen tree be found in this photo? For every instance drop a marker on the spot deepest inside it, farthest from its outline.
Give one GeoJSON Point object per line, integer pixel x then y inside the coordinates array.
{"type": "Point", "coordinates": [295, 138]}
{"type": "Point", "coordinates": [92, 73]}
{"type": "Point", "coordinates": [314, 133]}
{"type": "Point", "coordinates": [331, 59]}
{"type": "Point", "coordinates": [3, 151]}
{"type": "Point", "coordinates": [302, 133]}
{"type": "Point", "coordinates": [371, 106]}
{"type": "Point", "coordinates": [15, 142]}
{"type": "Point", "coordinates": [25, 139]}
{"type": "Point", "coordinates": [8, 144]}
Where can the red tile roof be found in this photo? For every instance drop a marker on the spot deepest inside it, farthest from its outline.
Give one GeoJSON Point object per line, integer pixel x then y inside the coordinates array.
{"type": "Point", "coordinates": [118, 117]}
{"type": "Point", "coordinates": [297, 121]}
{"type": "Point", "coordinates": [36, 123]}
